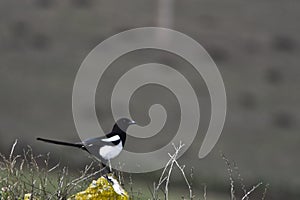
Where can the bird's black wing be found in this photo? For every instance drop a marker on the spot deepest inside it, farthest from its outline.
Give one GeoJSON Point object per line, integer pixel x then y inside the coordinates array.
{"type": "Point", "coordinates": [109, 139]}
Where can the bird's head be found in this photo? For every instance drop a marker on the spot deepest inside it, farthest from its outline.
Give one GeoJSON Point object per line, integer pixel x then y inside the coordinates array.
{"type": "Point", "coordinates": [123, 124]}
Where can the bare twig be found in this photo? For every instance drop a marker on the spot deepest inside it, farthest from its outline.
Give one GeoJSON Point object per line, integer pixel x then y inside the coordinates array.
{"type": "Point", "coordinates": [166, 173]}
{"type": "Point", "coordinates": [265, 192]}
{"type": "Point", "coordinates": [185, 178]}
{"type": "Point", "coordinates": [250, 191]}
{"type": "Point", "coordinates": [204, 191]}
{"type": "Point", "coordinates": [241, 180]}
{"type": "Point", "coordinates": [230, 173]}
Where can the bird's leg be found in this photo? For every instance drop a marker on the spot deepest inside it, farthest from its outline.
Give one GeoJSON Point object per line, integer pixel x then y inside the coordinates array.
{"type": "Point", "coordinates": [109, 164]}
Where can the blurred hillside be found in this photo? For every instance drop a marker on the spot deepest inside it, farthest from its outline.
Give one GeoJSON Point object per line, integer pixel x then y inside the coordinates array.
{"type": "Point", "coordinates": [255, 44]}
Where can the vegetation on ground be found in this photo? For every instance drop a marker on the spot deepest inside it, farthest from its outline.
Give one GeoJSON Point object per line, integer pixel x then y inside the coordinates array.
{"type": "Point", "coordinates": [29, 173]}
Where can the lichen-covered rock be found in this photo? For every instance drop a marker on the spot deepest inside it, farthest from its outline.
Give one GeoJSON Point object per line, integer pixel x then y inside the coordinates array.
{"type": "Point", "coordinates": [28, 197]}
{"type": "Point", "coordinates": [106, 188]}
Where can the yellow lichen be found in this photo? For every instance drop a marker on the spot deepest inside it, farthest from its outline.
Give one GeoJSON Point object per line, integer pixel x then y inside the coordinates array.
{"type": "Point", "coordinates": [106, 188]}
{"type": "Point", "coordinates": [28, 197]}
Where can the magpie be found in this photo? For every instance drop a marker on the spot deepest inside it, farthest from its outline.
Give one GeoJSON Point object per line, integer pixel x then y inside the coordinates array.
{"type": "Point", "coordinates": [103, 148]}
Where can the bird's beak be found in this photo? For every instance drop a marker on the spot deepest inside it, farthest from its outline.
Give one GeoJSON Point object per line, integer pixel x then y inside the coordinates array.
{"type": "Point", "coordinates": [132, 122]}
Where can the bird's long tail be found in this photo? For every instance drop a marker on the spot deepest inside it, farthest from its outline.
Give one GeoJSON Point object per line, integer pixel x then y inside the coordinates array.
{"type": "Point", "coordinates": [78, 145]}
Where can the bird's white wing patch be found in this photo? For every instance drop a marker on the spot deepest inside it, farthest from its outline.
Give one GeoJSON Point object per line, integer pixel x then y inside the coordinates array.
{"type": "Point", "coordinates": [110, 152]}
{"type": "Point", "coordinates": [111, 139]}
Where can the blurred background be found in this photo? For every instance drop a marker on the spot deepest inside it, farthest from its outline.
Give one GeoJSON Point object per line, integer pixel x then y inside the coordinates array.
{"type": "Point", "coordinates": [255, 45]}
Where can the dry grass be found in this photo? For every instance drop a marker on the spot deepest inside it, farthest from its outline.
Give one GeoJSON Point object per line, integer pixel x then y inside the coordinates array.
{"type": "Point", "coordinates": [232, 169]}
{"type": "Point", "coordinates": [27, 173]}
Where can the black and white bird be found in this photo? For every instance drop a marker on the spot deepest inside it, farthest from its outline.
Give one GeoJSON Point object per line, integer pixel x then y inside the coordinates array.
{"type": "Point", "coordinates": [103, 148]}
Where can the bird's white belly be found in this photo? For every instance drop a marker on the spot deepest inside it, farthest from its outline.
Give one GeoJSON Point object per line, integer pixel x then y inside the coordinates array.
{"type": "Point", "coordinates": [110, 152]}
